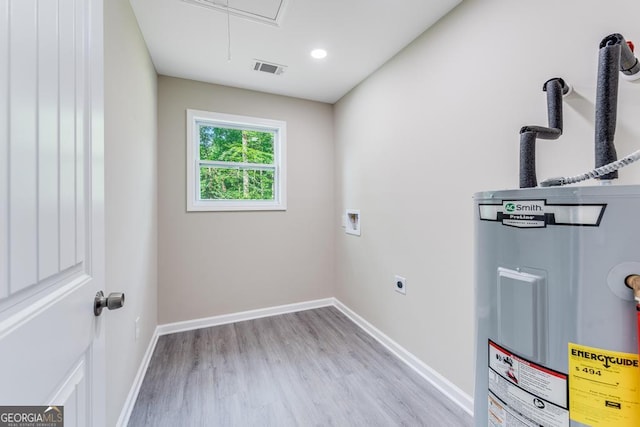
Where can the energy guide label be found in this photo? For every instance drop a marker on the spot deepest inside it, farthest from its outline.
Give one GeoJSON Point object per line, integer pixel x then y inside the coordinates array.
{"type": "Point", "coordinates": [604, 387]}
{"type": "Point", "coordinates": [523, 393]}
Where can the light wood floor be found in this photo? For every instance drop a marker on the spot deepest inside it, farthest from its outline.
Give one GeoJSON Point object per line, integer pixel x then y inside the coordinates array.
{"type": "Point", "coordinates": [310, 368]}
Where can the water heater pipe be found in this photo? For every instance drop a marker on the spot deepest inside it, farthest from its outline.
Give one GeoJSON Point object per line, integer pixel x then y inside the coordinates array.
{"type": "Point", "coordinates": [555, 88]}
{"type": "Point", "coordinates": [633, 281]}
{"type": "Point", "coordinates": [614, 55]}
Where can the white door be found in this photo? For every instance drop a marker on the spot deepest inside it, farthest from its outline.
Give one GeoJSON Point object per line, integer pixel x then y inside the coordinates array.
{"type": "Point", "coordinates": [51, 206]}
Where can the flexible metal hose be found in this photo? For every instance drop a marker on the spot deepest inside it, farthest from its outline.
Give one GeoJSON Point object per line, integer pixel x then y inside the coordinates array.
{"type": "Point", "coordinates": [594, 173]}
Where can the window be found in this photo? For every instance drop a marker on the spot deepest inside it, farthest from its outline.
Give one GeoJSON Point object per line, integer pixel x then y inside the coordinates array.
{"type": "Point", "coordinates": [235, 163]}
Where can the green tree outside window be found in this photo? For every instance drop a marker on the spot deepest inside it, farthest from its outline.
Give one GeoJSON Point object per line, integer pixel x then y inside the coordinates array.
{"type": "Point", "coordinates": [250, 172]}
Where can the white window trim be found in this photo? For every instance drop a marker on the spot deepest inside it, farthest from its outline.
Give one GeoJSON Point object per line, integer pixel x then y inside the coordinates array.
{"type": "Point", "coordinates": [193, 168]}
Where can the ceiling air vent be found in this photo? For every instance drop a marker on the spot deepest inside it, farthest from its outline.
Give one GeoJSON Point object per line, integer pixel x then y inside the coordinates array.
{"type": "Point", "coordinates": [268, 67]}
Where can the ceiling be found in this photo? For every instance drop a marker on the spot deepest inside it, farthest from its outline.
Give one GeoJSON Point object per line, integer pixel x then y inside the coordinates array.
{"type": "Point", "coordinates": [190, 39]}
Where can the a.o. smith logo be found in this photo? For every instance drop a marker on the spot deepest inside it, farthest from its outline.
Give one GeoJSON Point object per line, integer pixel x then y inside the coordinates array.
{"type": "Point", "coordinates": [31, 416]}
{"type": "Point", "coordinates": [524, 213]}
{"type": "Point", "coordinates": [529, 207]}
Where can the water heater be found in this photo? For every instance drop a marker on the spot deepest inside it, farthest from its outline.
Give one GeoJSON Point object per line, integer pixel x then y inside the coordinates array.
{"type": "Point", "coordinates": [556, 338]}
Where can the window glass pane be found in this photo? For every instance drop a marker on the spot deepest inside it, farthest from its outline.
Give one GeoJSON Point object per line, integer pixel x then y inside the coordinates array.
{"type": "Point", "coordinates": [235, 163]}
{"type": "Point", "coordinates": [236, 184]}
{"type": "Point", "coordinates": [235, 145]}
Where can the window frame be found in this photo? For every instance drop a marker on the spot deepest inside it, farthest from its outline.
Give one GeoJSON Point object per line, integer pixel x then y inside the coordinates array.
{"type": "Point", "coordinates": [194, 119]}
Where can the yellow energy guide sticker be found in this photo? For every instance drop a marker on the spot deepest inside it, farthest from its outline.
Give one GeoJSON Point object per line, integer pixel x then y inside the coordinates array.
{"type": "Point", "coordinates": [604, 387]}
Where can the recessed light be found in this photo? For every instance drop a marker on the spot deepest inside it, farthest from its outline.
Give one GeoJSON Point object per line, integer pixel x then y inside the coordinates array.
{"type": "Point", "coordinates": [318, 53]}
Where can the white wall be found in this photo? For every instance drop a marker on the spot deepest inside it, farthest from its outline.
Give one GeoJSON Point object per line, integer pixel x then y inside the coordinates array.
{"type": "Point", "coordinates": [131, 198]}
{"type": "Point", "coordinates": [213, 263]}
{"type": "Point", "coordinates": [439, 122]}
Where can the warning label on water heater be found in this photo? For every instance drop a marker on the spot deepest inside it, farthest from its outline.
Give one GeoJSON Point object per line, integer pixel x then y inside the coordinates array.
{"type": "Point", "coordinates": [524, 394]}
{"type": "Point", "coordinates": [604, 387]}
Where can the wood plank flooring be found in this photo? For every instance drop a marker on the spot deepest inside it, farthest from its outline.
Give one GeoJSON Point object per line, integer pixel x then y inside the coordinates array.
{"type": "Point", "coordinates": [310, 368]}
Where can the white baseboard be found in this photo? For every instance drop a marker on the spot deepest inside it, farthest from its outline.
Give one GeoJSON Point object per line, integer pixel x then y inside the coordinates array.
{"type": "Point", "coordinates": [446, 387]}
{"type": "Point", "coordinates": [123, 420]}
{"type": "Point", "coordinates": [188, 325]}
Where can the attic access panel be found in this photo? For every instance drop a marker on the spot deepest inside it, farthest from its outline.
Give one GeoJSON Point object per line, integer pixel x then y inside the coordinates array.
{"type": "Point", "coordinates": [265, 11]}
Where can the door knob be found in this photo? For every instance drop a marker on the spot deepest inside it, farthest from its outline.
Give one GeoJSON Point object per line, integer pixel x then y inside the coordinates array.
{"type": "Point", "coordinates": [114, 301]}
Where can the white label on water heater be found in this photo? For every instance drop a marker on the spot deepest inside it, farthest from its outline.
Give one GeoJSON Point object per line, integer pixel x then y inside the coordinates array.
{"type": "Point", "coordinates": [524, 394]}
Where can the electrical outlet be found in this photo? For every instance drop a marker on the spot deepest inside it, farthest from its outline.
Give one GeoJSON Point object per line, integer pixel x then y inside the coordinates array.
{"type": "Point", "coordinates": [137, 328]}
{"type": "Point", "coordinates": [400, 285]}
